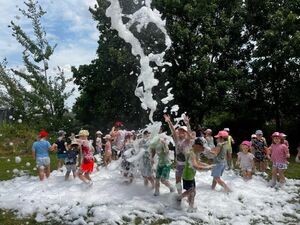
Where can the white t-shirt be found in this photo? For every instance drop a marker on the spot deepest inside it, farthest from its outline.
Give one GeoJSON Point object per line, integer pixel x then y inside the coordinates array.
{"type": "Point", "coordinates": [246, 160]}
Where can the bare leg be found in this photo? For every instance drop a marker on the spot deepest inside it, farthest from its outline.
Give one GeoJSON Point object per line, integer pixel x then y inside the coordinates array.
{"type": "Point", "coordinates": [214, 183]}
{"type": "Point", "coordinates": [222, 183]}
{"type": "Point", "coordinates": [178, 185]}
{"type": "Point", "coordinates": [67, 175]}
{"type": "Point", "coordinates": [47, 171]}
{"type": "Point", "coordinates": [281, 176]}
{"type": "Point", "coordinates": [41, 174]}
{"type": "Point", "coordinates": [157, 184]}
{"type": "Point", "coordinates": [167, 183]}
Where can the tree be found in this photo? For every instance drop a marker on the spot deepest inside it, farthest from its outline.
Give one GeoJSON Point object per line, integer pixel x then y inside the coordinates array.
{"type": "Point", "coordinates": [107, 84]}
{"type": "Point", "coordinates": [33, 92]}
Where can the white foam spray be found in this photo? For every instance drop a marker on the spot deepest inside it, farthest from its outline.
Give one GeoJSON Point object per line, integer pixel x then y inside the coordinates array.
{"type": "Point", "coordinates": [141, 18]}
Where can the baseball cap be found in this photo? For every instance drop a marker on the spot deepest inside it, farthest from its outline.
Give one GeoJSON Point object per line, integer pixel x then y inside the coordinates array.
{"type": "Point", "coordinates": [259, 132]}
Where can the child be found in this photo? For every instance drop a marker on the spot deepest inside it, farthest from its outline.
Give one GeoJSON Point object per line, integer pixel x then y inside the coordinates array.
{"type": "Point", "coordinates": [159, 146]}
{"type": "Point", "coordinates": [146, 165]}
{"type": "Point", "coordinates": [259, 149]}
{"type": "Point", "coordinates": [279, 154]}
{"type": "Point", "coordinates": [297, 159]}
{"type": "Point", "coordinates": [129, 151]}
{"type": "Point", "coordinates": [87, 159]}
{"type": "Point", "coordinates": [98, 151]}
{"type": "Point", "coordinates": [209, 138]}
{"type": "Point", "coordinates": [220, 160]}
{"type": "Point", "coordinates": [191, 165]}
{"type": "Point", "coordinates": [118, 135]}
{"type": "Point", "coordinates": [60, 146]}
{"type": "Point", "coordinates": [40, 152]}
{"type": "Point", "coordinates": [230, 142]}
{"type": "Point", "coordinates": [71, 159]}
{"type": "Point", "coordinates": [107, 150]}
{"type": "Point", "coordinates": [245, 160]}
{"type": "Point", "coordinates": [183, 142]}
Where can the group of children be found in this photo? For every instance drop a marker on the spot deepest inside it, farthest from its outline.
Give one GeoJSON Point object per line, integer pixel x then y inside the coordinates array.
{"type": "Point", "coordinates": [138, 153]}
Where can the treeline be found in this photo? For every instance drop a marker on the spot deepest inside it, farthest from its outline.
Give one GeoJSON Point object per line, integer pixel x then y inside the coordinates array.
{"type": "Point", "coordinates": [235, 63]}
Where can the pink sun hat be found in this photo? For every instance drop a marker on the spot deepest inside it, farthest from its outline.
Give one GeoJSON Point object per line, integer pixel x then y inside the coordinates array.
{"type": "Point", "coordinates": [222, 133]}
{"type": "Point", "coordinates": [247, 143]}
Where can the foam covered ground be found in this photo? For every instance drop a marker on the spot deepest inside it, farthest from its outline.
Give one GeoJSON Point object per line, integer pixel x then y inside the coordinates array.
{"type": "Point", "coordinates": [110, 201]}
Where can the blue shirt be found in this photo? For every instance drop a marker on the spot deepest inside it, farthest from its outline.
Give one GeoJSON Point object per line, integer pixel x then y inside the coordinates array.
{"type": "Point", "coordinates": [41, 148]}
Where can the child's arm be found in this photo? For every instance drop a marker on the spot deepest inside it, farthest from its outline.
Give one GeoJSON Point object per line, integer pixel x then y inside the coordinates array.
{"type": "Point", "coordinates": [171, 126]}
{"type": "Point", "coordinates": [216, 150]}
{"type": "Point", "coordinates": [199, 165]}
{"type": "Point", "coordinates": [287, 152]}
{"type": "Point", "coordinates": [33, 153]}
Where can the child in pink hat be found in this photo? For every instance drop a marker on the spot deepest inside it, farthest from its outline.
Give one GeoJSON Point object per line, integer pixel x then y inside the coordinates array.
{"type": "Point", "coordinates": [246, 160]}
{"type": "Point", "coordinates": [220, 160]}
{"type": "Point", "coordinates": [279, 155]}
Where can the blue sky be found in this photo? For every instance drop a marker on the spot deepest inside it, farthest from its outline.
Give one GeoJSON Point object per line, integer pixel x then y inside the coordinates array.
{"type": "Point", "coordinates": [68, 23]}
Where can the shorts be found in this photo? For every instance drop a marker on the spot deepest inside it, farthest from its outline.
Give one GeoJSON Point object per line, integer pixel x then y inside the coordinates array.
{"type": "Point", "coordinates": [87, 167]}
{"type": "Point", "coordinates": [188, 184]}
{"type": "Point", "coordinates": [163, 172]}
{"type": "Point", "coordinates": [218, 170]}
{"type": "Point", "coordinates": [43, 161]}
{"type": "Point", "coordinates": [71, 167]}
{"type": "Point", "coordinates": [179, 170]}
{"type": "Point", "coordinates": [61, 156]}
{"type": "Point", "coordinates": [259, 156]}
{"type": "Point", "coordinates": [281, 166]}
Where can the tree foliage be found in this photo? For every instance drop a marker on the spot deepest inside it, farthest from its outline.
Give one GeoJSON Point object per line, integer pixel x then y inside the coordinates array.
{"type": "Point", "coordinates": [33, 91]}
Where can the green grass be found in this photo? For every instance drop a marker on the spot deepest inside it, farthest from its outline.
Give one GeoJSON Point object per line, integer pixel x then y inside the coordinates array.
{"type": "Point", "coordinates": [7, 164]}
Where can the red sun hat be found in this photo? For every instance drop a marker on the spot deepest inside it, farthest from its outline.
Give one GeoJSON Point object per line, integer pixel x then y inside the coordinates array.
{"type": "Point", "coordinates": [43, 134]}
{"type": "Point", "coordinates": [222, 133]}
{"type": "Point", "coordinates": [119, 124]}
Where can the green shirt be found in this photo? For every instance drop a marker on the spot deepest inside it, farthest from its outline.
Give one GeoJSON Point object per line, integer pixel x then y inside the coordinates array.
{"type": "Point", "coordinates": [162, 152]}
{"type": "Point", "coordinates": [189, 172]}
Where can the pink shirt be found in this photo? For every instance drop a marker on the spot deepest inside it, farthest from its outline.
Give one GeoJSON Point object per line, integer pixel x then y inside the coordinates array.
{"type": "Point", "coordinates": [279, 152]}
{"type": "Point", "coordinates": [108, 147]}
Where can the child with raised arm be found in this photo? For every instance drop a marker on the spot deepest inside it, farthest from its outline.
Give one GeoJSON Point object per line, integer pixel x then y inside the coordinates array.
{"type": "Point", "coordinates": [183, 142]}
{"type": "Point", "coordinates": [220, 160]}
{"type": "Point", "coordinates": [279, 155]}
{"type": "Point", "coordinates": [192, 164]}
{"type": "Point", "coordinates": [246, 160]}
{"type": "Point", "coordinates": [159, 146]}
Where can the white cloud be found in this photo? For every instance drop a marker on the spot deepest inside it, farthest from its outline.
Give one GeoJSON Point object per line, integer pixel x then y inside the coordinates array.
{"type": "Point", "coordinates": [68, 23]}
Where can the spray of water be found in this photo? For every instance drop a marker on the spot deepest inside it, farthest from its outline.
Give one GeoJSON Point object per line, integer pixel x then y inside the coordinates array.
{"type": "Point", "coordinates": [141, 18]}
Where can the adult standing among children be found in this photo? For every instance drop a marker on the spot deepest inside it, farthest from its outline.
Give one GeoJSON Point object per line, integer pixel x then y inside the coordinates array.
{"type": "Point", "coordinates": [183, 143]}
{"type": "Point", "coordinates": [40, 152]}
{"type": "Point", "coordinates": [230, 142]}
{"type": "Point", "coordinates": [60, 147]}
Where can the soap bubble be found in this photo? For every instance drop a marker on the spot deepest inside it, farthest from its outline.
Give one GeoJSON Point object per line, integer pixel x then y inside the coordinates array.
{"type": "Point", "coordinates": [11, 143]}
{"type": "Point", "coordinates": [19, 120]}
{"type": "Point", "coordinates": [10, 117]}
{"type": "Point", "coordinates": [18, 159]}
{"type": "Point", "coordinates": [47, 107]}
{"type": "Point", "coordinates": [7, 171]}
{"type": "Point", "coordinates": [28, 164]}
{"type": "Point", "coordinates": [15, 171]}
{"type": "Point", "coordinates": [8, 160]}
